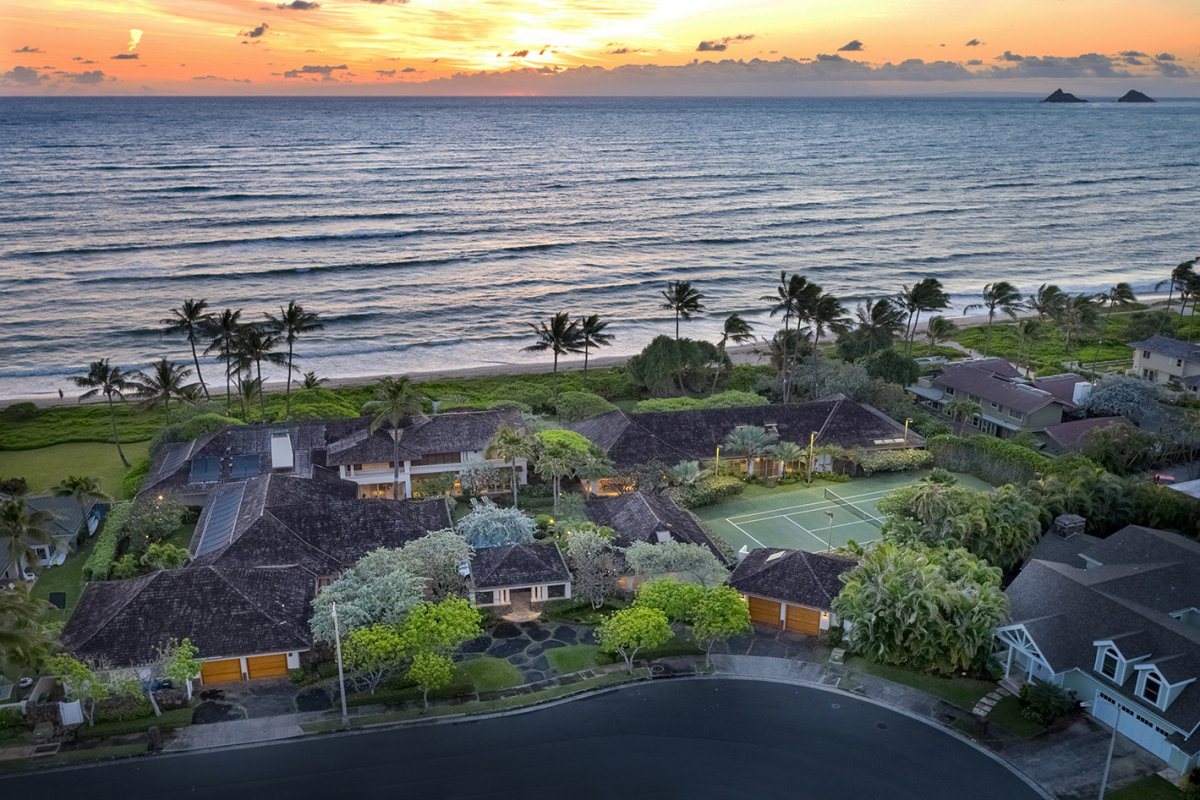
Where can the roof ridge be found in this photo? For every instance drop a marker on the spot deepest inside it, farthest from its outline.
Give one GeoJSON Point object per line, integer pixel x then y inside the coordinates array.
{"type": "Point", "coordinates": [220, 573]}
{"type": "Point", "coordinates": [816, 579]}
{"type": "Point", "coordinates": [147, 580]}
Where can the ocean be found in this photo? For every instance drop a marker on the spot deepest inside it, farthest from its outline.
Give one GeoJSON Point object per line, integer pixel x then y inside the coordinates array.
{"type": "Point", "coordinates": [428, 232]}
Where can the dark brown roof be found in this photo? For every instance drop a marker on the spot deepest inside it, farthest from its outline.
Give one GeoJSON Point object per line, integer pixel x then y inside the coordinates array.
{"type": "Point", "coordinates": [638, 517]}
{"type": "Point", "coordinates": [353, 442]}
{"type": "Point", "coordinates": [984, 384]}
{"type": "Point", "coordinates": [672, 436]}
{"type": "Point", "coordinates": [1072, 436]}
{"type": "Point", "coordinates": [224, 612]}
{"type": "Point", "coordinates": [518, 565]}
{"type": "Point", "coordinates": [792, 576]}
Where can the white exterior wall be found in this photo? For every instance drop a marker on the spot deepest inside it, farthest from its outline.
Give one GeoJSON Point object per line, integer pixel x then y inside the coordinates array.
{"type": "Point", "coordinates": [386, 475]}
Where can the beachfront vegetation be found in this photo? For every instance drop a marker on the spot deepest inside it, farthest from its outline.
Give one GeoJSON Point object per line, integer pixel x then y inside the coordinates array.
{"type": "Point", "coordinates": [684, 299]}
{"type": "Point", "coordinates": [593, 332]}
{"type": "Point", "coordinates": [924, 295]}
{"type": "Point", "coordinates": [561, 336]}
{"type": "Point", "coordinates": [110, 382]}
{"type": "Point", "coordinates": [291, 323]}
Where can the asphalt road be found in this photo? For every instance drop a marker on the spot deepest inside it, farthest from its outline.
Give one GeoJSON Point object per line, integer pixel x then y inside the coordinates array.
{"type": "Point", "coordinates": [676, 739]}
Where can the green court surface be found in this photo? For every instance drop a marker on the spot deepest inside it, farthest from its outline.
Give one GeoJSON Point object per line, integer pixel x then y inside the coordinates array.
{"type": "Point", "coordinates": [814, 518]}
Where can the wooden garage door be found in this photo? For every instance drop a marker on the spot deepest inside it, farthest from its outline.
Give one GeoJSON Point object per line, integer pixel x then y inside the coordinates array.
{"type": "Point", "coordinates": [803, 620]}
{"type": "Point", "coordinates": [227, 671]}
{"type": "Point", "coordinates": [267, 666]}
{"type": "Point", "coordinates": [764, 612]}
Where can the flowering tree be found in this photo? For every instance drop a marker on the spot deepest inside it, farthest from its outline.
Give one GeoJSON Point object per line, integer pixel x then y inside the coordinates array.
{"type": "Point", "coordinates": [490, 526]}
{"type": "Point", "coordinates": [593, 573]}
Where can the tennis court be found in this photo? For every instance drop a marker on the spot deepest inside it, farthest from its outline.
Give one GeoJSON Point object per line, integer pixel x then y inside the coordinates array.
{"type": "Point", "coordinates": [813, 518]}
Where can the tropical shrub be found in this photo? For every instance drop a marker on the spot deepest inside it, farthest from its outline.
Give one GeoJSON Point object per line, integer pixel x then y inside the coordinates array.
{"type": "Point", "coordinates": [893, 460]}
{"type": "Point", "coordinates": [314, 403]}
{"type": "Point", "coordinates": [888, 365]}
{"type": "Point", "coordinates": [11, 721]}
{"type": "Point", "coordinates": [574, 406]}
{"type": "Point", "coordinates": [709, 491]}
{"type": "Point", "coordinates": [1123, 449]}
{"type": "Point", "coordinates": [955, 597]}
{"type": "Point", "coordinates": [679, 600]}
{"type": "Point", "coordinates": [666, 363]}
{"type": "Point", "coordinates": [14, 486]}
{"type": "Point", "coordinates": [19, 412]}
{"type": "Point", "coordinates": [987, 458]}
{"type": "Point", "coordinates": [1044, 703]}
{"type": "Point", "coordinates": [1144, 324]}
{"type": "Point", "coordinates": [131, 484]}
{"type": "Point", "coordinates": [151, 520]}
{"type": "Point", "coordinates": [727, 399]}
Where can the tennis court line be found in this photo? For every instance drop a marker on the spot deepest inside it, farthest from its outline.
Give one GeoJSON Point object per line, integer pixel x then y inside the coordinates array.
{"type": "Point", "coordinates": [806, 530]}
{"type": "Point", "coordinates": [748, 536]}
{"type": "Point", "coordinates": [815, 505]}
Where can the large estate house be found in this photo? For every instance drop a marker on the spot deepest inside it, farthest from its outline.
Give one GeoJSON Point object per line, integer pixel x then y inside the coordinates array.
{"type": "Point", "coordinates": [1116, 622]}
{"type": "Point", "coordinates": [286, 509]}
{"type": "Point", "coordinates": [1008, 403]}
{"type": "Point", "coordinates": [1163, 360]}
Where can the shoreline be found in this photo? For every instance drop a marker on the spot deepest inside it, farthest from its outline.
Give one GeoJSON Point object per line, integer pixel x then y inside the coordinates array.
{"type": "Point", "coordinates": [739, 354]}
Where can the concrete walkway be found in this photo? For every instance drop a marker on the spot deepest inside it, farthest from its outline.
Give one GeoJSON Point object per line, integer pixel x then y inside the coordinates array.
{"type": "Point", "coordinates": [240, 731]}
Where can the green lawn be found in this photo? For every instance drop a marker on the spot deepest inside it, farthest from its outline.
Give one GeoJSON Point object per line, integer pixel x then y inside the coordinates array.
{"type": "Point", "coordinates": [1007, 714]}
{"type": "Point", "coordinates": [488, 674]}
{"type": "Point", "coordinates": [962, 692]}
{"type": "Point", "coordinates": [1151, 787]}
{"type": "Point", "coordinates": [67, 577]}
{"type": "Point", "coordinates": [45, 467]}
{"type": "Point", "coordinates": [573, 658]}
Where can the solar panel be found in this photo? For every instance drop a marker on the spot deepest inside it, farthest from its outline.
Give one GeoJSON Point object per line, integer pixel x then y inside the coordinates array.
{"type": "Point", "coordinates": [245, 466]}
{"type": "Point", "coordinates": [222, 517]}
{"type": "Point", "coordinates": [174, 459]}
{"type": "Point", "coordinates": [205, 470]}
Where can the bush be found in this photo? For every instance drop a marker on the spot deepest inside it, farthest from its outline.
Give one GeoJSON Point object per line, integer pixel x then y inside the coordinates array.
{"type": "Point", "coordinates": [131, 484]}
{"type": "Point", "coordinates": [194, 427]}
{"type": "Point", "coordinates": [19, 412]}
{"type": "Point", "coordinates": [1045, 703]}
{"type": "Point", "coordinates": [100, 563]}
{"type": "Point", "coordinates": [575, 406]}
{"type": "Point", "coordinates": [14, 486]}
{"type": "Point", "coordinates": [990, 459]}
{"type": "Point", "coordinates": [123, 707]}
{"type": "Point", "coordinates": [709, 491]}
{"type": "Point", "coordinates": [727, 399]}
{"type": "Point", "coordinates": [127, 566]}
{"type": "Point", "coordinates": [316, 403]}
{"type": "Point", "coordinates": [11, 721]}
{"type": "Point", "coordinates": [894, 460]}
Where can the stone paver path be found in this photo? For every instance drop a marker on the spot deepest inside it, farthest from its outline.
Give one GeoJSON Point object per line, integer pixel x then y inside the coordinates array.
{"type": "Point", "coordinates": [524, 644]}
{"type": "Point", "coordinates": [989, 700]}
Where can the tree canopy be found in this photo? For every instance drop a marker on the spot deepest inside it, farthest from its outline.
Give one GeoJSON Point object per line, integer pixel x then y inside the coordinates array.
{"type": "Point", "coordinates": [633, 629]}
{"type": "Point", "coordinates": [379, 588]}
{"type": "Point", "coordinates": [692, 562]}
{"type": "Point", "coordinates": [488, 525]}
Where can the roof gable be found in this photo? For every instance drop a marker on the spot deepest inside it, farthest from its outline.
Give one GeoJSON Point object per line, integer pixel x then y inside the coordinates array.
{"type": "Point", "coordinates": [518, 565]}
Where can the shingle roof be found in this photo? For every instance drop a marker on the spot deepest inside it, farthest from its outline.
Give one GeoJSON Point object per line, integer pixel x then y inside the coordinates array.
{"type": "Point", "coordinates": [792, 576]}
{"type": "Point", "coordinates": [1072, 436]}
{"type": "Point", "coordinates": [1141, 577]}
{"type": "Point", "coordinates": [1061, 386]}
{"type": "Point", "coordinates": [1004, 392]}
{"type": "Point", "coordinates": [1167, 346]}
{"type": "Point", "coordinates": [672, 436]}
{"type": "Point", "coordinates": [68, 514]}
{"type": "Point", "coordinates": [224, 612]}
{"type": "Point", "coordinates": [1063, 549]}
{"type": "Point", "coordinates": [518, 565]}
{"type": "Point", "coordinates": [638, 517]}
{"type": "Point", "coordinates": [352, 442]}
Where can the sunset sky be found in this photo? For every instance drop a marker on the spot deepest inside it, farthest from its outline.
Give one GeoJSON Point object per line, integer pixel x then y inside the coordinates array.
{"type": "Point", "coordinates": [598, 46]}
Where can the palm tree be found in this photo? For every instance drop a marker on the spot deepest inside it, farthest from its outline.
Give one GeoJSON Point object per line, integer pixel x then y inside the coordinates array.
{"type": "Point", "coordinates": [1079, 316]}
{"type": "Point", "coordinates": [311, 381]}
{"type": "Point", "coordinates": [557, 461]}
{"type": "Point", "coordinates": [560, 336]}
{"type": "Point", "coordinates": [223, 331]}
{"type": "Point", "coordinates": [1190, 290]}
{"type": "Point", "coordinates": [167, 380]}
{"type": "Point", "coordinates": [684, 299]}
{"type": "Point", "coordinates": [787, 453]}
{"type": "Point", "coordinates": [22, 529]}
{"type": "Point", "coordinates": [1178, 280]}
{"type": "Point", "coordinates": [591, 468]}
{"type": "Point", "coordinates": [82, 489]}
{"type": "Point", "coordinates": [1028, 331]}
{"type": "Point", "coordinates": [1047, 302]}
{"type": "Point", "coordinates": [511, 443]}
{"type": "Point", "coordinates": [1121, 295]}
{"type": "Point", "coordinates": [749, 441]}
{"type": "Point", "coordinates": [938, 330]}
{"type": "Point", "coordinates": [685, 473]}
{"type": "Point", "coordinates": [396, 399]}
{"type": "Point", "coordinates": [794, 298]}
{"type": "Point", "coordinates": [735, 330]}
{"type": "Point", "coordinates": [24, 640]}
{"type": "Point", "coordinates": [108, 381]}
{"type": "Point", "coordinates": [191, 319]}
{"type": "Point", "coordinates": [290, 324]}
{"type": "Point", "coordinates": [878, 321]}
{"type": "Point", "coordinates": [257, 344]}
{"type": "Point", "coordinates": [826, 314]}
{"type": "Point", "coordinates": [961, 409]}
{"type": "Point", "coordinates": [998, 296]}
{"type": "Point", "coordinates": [591, 331]}
{"type": "Point", "coordinates": [926, 294]}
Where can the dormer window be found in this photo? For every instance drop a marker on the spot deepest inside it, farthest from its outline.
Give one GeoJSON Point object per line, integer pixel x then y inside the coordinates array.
{"type": "Point", "coordinates": [1109, 664]}
{"type": "Point", "coordinates": [1151, 687]}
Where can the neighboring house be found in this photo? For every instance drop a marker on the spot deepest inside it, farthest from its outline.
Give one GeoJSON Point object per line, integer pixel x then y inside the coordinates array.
{"type": "Point", "coordinates": [519, 577]}
{"type": "Point", "coordinates": [1190, 488]}
{"type": "Point", "coordinates": [790, 590]}
{"type": "Point", "coordinates": [69, 521]}
{"type": "Point", "coordinates": [1161, 359]}
{"type": "Point", "coordinates": [669, 437]}
{"type": "Point", "coordinates": [1008, 404]}
{"type": "Point", "coordinates": [430, 447]}
{"type": "Point", "coordinates": [1116, 622]}
{"type": "Point", "coordinates": [1072, 436]}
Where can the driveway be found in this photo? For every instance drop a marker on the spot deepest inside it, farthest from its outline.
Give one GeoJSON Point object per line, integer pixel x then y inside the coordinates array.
{"type": "Point", "coordinates": [675, 739]}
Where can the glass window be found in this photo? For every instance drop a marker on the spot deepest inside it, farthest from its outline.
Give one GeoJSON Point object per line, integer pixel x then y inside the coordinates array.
{"type": "Point", "coordinates": [1152, 687]}
{"type": "Point", "coordinates": [1145, 354]}
{"type": "Point", "coordinates": [1108, 664]}
{"type": "Point", "coordinates": [556, 590]}
{"type": "Point", "coordinates": [485, 598]}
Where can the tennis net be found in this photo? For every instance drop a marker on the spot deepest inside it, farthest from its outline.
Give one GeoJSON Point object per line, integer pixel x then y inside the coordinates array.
{"type": "Point", "coordinates": [853, 509]}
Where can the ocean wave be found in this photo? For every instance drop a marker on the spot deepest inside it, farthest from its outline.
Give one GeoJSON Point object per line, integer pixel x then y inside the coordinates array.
{"type": "Point", "coordinates": [139, 248]}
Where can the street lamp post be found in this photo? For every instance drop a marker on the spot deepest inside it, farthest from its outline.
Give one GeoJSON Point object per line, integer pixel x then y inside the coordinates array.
{"type": "Point", "coordinates": [1112, 743]}
{"type": "Point", "coordinates": [907, 422]}
{"type": "Point", "coordinates": [337, 640]}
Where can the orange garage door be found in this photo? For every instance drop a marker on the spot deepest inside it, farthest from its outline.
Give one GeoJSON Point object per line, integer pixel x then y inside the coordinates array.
{"type": "Point", "coordinates": [267, 666]}
{"type": "Point", "coordinates": [226, 671]}
{"type": "Point", "coordinates": [764, 612]}
{"type": "Point", "coordinates": [803, 620]}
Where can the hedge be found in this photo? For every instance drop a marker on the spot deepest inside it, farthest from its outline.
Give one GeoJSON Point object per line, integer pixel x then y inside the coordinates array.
{"type": "Point", "coordinates": [709, 491]}
{"type": "Point", "coordinates": [100, 562]}
{"type": "Point", "coordinates": [988, 458]}
{"type": "Point", "coordinates": [893, 460]}
{"type": "Point", "coordinates": [575, 406]}
{"type": "Point", "coordinates": [729, 399]}
{"type": "Point", "coordinates": [131, 484]}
